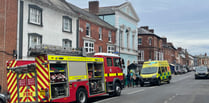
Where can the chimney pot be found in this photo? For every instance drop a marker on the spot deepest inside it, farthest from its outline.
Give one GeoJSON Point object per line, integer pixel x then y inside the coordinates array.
{"type": "Point", "coordinates": [94, 7]}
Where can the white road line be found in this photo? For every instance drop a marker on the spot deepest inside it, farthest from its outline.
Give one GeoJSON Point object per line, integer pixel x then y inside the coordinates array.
{"type": "Point", "coordinates": [105, 100]}
{"type": "Point", "coordinates": [151, 87]}
{"type": "Point", "coordinates": [182, 78]}
{"type": "Point", "coordinates": [136, 91]}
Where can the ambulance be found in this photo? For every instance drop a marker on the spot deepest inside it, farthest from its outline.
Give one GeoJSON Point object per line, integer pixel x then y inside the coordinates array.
{"type": "Point", "coordinates": [155, 72]}
{"type": "Point", "coordinates": [63, 75]}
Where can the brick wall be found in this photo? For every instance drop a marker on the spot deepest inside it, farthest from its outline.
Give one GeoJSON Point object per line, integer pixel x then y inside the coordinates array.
{"type": "Point", "coordinates": [95, 35]}
{"type": "Point", "coordinates": [8, 35]}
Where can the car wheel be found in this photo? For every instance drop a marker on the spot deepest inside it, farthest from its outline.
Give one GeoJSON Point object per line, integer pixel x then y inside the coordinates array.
{"type": "Point", "coordinates": [81, 96]}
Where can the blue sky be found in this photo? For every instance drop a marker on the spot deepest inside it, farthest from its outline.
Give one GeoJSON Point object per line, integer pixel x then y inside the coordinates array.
{"type": "Point", "coordinates": [184, 22]}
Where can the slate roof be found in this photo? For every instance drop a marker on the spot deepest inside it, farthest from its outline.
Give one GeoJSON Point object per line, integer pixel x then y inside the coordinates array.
{"type": "Point", "coordinates": [58, 5]}
{"type": "Point", "coordinates": [144, 31]}
{"type": "Point", "coordinates": [91, 17]}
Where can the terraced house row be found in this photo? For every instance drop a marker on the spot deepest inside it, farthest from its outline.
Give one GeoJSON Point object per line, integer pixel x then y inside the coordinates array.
{"type": "Point", "coordinates": [113, 29]}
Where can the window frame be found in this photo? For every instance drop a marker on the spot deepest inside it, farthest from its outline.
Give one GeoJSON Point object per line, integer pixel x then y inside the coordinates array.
{"type": "Point", "coordinates": [89, 47]}
{"type": "Point", "coordinates": [67, 40]}
{"type": "Point", "coordinates": [100, 33]}
{"type": "Point", "coordinates": [141, 57]}
{"type": "Point", "coordinates": [150, 41]}
{"type": "Point", "coordinates": [29, 15]}
{"type": "Point", "coordinates": [108, 62]}
{"type": "Point", "coordinates": [140, 43]}
{"type": "Point", "coordinates": [63, 24]}
{"type": "Point", "coordinates": [111, 50]}
{"type": "Point", "coordinates": [88, 30]}
{"type": "Point", "coordinates": [109, 36]}
{"type": "Point", "coordinates": [36, 35]}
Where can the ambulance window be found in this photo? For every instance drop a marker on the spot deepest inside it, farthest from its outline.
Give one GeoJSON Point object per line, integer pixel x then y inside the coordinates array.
{"type": "Point", "coordinates": [116, 62]}
{"type": "Point", "coordinates": [165, 69]}
{"type": "Point", "coordinates": [109, 62]}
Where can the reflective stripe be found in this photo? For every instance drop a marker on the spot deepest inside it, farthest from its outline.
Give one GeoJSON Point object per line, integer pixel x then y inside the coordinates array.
{"type": "Point", "coordinates": [120, 74]}
{"type": "Point", "coordinates": [78, 77]}
{"type": "Point", "coordinates": [74, 58]}
{"type": "Point", "coordinates": [106, 74]}
{"type": "Point", "coordinates": [113, 74]}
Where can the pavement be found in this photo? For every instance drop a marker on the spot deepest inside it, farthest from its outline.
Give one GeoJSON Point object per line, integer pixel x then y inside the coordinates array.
{"type": "Point", "coordinates": [182, 89]}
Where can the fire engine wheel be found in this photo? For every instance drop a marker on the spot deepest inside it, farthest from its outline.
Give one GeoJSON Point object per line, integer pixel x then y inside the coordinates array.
{"type": "Point", "coordinates": [81, 95]}
{"type": "Point", "coordinates": [117, 89]}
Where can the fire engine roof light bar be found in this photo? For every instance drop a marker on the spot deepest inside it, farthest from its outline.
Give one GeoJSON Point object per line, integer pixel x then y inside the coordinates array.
{"type": "Point", "coordinates": [59, 50]}
{"type": "Point", "coordinates": [24, 68]}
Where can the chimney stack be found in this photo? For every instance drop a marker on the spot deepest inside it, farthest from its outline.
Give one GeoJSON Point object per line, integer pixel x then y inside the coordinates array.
{"type": "Point", "coordinates": [151, 30]}
{"type": "Point", "coordinates": [164, 39]}
{"type": "Point", "coordinates": [145, 27]}
{"type": "Point", "coordinates": [94, 7]}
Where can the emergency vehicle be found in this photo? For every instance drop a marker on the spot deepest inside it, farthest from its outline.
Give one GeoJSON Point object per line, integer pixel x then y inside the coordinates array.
{"type": "Point", "coordinates": [63, 75]}
{"type": "Point", "coordinates": [155, 72]}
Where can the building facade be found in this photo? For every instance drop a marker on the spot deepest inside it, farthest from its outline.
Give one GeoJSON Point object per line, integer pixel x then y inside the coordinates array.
{"type": "Point", "coordinates": [150, 46]}
{"type": "Point", "coordinates": [8, 32]}
{"type": "Point", "coordinates": [95, 35]}
{"type": "Point", "coordinates": [125, 19]}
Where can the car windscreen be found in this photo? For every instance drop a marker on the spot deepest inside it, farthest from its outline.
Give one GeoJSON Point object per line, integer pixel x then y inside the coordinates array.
{"type": "Point", "coordinates": [201, 69]}
{"type": "Point", "coordinates": [149, 70]}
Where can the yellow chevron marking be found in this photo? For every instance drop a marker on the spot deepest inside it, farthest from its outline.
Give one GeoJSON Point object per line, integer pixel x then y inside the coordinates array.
{"type": "Point", "coordinates": [12, 82]}
{"type": "Point", "coordinates": [42, 79]}
{"type": "Point", "coordinates": [13, 93]}
{"type": "Point", "coordinates": [41, 83]}
{"type": "Point", "coordinates": [14, 63]}
{"type": "Point", "coordinates": [14, 99]}
{"type": "Point", "coordinates": [42, 70]}
{"type": "Point", "coordinates": [11, 77]}
{"type": "Point", "coordinates": [23, 99]}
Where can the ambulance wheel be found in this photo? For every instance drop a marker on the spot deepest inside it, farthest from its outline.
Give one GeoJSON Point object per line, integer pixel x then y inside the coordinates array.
{"type": "Point", "coordinates": [168, 81]}
{"type": "Point", "coordinates": [117, 89]}
{"type": "Point", "coordinates": [158, 82]}
{"type": "Point", "coordinates": [81, 95]}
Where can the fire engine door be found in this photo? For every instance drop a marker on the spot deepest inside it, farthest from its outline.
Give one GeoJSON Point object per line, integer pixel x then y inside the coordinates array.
{"type": "Point", "coordinates": [27, 84]}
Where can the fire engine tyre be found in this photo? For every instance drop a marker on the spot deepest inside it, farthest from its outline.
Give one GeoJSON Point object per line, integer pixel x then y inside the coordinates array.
{"type": "Point", "coordinates": [81, 96]}
{"type": "Point", "coordinates": [117, 89]}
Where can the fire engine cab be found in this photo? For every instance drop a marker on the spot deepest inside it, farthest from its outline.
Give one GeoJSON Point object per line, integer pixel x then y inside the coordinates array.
{"type": "Point", "coordinates": [63, 75]}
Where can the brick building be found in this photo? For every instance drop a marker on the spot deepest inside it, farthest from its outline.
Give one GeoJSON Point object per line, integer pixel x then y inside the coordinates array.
{"type": "Point", "coordinates": [150, 45]}
{"type": "Point", "coordinates": [8, 32]}
{"type": "Point", "coordinates": [95, 35]}
{"type": "Point", "coordinates": [169, 51]}
{"type": "Point", "coordinates": [203, 60]}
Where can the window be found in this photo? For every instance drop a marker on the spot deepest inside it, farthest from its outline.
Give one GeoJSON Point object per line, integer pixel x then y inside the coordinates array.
{"type": "Point", "coordinates": [122, 40]}
{"type": "Point", "coordinates": [133, 41]}
{"type": "Point", "coordinates": [88, 30]}
{"type": "Point", "coordinates": [110, 36]}
{"type": "Point", "coordinates": [67, 24]}
{"type": "Point", "coordinates": [116, 62]}
{"type": "Point", "coordinates": [100, 33]}
{"type": "Point", "coordinates": [127, 39]}
{"type": "Point", "coordinates": [110, 49]}
{"type": "Point", "coordinates": [141, 55]}
{"type": "Point", "coordinates": [89, 46]}
{"type": "Point", "coordinates": [100, 48]}
{"type": "Point", "coordinates": [35, 15]}
{"type": "Point", "coordinates": [34, 39]}
{"type": "Point", "coordinates": [109, 62]}
{"type": "Point", "coordinates": [156, 55]}
{"type": "Point", "coordinates": [150, 41]}
{"type": "Point", "coordinates": [139, 41]}
{"type": "Point", "coordinates": [67, 43]}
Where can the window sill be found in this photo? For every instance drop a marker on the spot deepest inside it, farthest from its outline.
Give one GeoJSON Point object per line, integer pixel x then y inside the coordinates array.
{"type": "Point", "coordinates": [41, 25]}
{"type": "Point", "coordinates": [66, 31]}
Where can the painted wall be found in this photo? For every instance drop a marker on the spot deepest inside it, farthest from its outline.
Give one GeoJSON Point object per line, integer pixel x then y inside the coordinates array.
{"type": "Point", "coordinates": [51, 30]}
{"type": "Point", "coordinates": [109, 19]}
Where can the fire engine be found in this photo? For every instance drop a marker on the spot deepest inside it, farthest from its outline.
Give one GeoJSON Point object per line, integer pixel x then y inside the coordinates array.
{"type": "Point", "coordinates": [63, 75]}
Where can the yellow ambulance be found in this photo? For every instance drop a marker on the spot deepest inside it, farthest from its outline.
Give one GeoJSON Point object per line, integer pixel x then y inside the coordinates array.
{"type": "Point", "coordinates": [155, 72]}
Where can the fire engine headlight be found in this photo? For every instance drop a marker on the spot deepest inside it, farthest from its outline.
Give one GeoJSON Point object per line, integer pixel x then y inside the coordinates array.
{"type": "Point", "coordinates": [154, 76]}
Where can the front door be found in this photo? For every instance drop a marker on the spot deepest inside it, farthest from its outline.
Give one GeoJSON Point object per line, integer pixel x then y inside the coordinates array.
{"type": "Point", "coordinates": [27, 87]}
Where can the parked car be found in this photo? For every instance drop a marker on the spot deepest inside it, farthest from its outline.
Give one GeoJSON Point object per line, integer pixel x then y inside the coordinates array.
{"type": "Point", "coordinates": [2, 98]}
{"type": "Point", "coordinates": [201, 72]}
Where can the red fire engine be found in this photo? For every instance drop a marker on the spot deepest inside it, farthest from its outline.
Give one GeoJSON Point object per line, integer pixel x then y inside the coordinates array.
{"type": "Point", "coordinates": [64, 75]}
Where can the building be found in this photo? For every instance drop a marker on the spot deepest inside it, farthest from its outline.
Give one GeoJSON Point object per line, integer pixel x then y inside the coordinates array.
{"type": "Point", "coordinates": [8, 32]}
{"type": "Point", "coordinates": [169, 51]}
{"type": "Point", "coordinates": [125, 19]}
{"type": "Point", "coordinates": [95, 35]}
{"type": "Point", "coordinates": [203, 60]}
{"type": "Point", "coordinates": [150, 45]}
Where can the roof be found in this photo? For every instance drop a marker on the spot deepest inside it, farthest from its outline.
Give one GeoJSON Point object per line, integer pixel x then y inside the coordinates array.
{"type": "Point", "coordinates": [90, 17]}
{"type": "Point", "coordinates": [107, 54]}
{"type": "Point", "coordinates": [142, 31]}
{"type": "Point", "coordinates": [58, 5]}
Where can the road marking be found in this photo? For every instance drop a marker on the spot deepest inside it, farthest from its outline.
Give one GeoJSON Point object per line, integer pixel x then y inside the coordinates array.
{"type": "Point", "coordinates": [182, 78]}
{"type": "Point", "coordinates": [136, 91]}
{"type": "Point", "coordinates": [151, 87]}
{"type": "Point", "coordinates": [105, 100]}
{"type": "Point", "coordinates": [166, 101]}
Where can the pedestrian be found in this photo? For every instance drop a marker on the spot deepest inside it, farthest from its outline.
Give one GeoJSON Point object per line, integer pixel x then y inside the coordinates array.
{"type": "Point", "coordinates": [128, 78]}
{"type": "Point", "coordinates": [131, 76]}
{"type": "Point", "coordinates": [134, 79]}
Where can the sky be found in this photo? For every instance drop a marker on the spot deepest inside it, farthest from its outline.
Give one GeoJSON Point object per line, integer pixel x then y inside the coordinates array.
{"type": "Point", "coordinates": [185, 23]}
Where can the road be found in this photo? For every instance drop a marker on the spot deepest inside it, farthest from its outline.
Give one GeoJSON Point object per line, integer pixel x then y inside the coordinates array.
{"type": "Point", "coordinates": [182, 89]}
